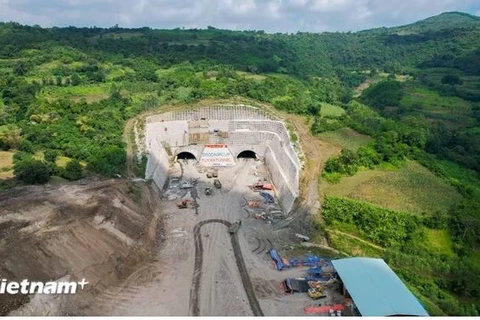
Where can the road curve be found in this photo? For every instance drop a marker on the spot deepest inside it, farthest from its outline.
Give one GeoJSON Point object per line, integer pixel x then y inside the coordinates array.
{"type": "Point", "coordinates": [197, 271]}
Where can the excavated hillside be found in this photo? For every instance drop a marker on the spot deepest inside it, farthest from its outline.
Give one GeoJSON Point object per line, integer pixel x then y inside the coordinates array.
{"type": "Point", "coordinates": [100, 230]}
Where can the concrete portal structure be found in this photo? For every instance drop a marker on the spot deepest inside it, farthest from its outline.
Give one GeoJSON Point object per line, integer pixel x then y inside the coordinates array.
{"type": "Point", "coordinates": [216, 136]}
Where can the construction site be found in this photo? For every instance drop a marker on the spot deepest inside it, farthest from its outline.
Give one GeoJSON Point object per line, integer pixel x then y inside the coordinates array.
{"type": "Point", "coordinates": [206, 232]}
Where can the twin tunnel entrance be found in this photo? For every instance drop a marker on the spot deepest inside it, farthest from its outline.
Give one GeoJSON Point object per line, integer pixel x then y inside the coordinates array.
{"type": "Point", "coordinates": [245, 154]}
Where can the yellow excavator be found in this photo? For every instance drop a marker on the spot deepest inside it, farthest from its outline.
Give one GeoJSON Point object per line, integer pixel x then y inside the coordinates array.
{"type": "Point", "coordinates": [316, 291]}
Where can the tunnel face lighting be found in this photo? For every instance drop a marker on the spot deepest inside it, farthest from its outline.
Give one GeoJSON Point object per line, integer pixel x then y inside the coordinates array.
{"type": "Point", "coordinates": [186, 156]}
{"type": "Point", "coordinates": [247, 154]}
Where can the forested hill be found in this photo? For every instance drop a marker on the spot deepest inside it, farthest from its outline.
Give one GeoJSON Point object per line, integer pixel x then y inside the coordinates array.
{"type": "Point", "coordinates": [455, 36]}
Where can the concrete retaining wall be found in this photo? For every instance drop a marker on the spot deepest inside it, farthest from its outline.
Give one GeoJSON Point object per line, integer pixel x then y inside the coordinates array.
{"type": "Point", "coordinates": [248, 129]}
{"type": "Point", "coordinates": [285, 193]}
{"type": "Point", "coordinates": [157, 165]}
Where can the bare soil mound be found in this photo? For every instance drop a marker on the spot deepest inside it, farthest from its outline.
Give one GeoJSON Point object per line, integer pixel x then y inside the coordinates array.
{"type": "Point", "coordinates": [97, 230]}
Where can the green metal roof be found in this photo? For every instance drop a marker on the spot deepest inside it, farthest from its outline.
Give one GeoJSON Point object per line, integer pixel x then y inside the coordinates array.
{"type": "Point", "coordinates": [375, 289]}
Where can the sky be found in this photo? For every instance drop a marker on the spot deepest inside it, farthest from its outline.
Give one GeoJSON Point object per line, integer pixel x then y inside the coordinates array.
{"type": "Point", "coordinates": [269, 15]}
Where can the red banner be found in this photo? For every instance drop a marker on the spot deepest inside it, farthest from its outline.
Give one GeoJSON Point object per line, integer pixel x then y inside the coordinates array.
{"type": "Point", "coordinates": [215, 146]}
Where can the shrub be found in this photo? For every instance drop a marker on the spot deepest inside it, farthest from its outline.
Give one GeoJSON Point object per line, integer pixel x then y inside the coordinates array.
{"type": "Point", "coordinates": [108, 161]}
{"type": "Point", "coordinates": [31, 171]}
{"type": "Point", "coordinates": [73, 170]}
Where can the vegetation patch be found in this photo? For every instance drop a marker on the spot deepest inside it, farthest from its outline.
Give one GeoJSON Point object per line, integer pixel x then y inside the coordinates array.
{"type": "Point", "coordinates": [346, 138]}
{"type": "Point", "coordinates": [91, 93]}
{"type": "Point", "coordinates": [409, 188]}
{"type": "Point", "coordinates": [418, 97]}
{"type": "Point", "coordinates": [440, 241]}
{"type": "Point", "coordinates": [330, 110]}
{"type": "Point", "coordinates": [6, 159]}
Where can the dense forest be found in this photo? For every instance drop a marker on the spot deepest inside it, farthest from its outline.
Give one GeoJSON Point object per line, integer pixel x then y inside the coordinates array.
{"type": "Point", "coordinates": [66, 93]}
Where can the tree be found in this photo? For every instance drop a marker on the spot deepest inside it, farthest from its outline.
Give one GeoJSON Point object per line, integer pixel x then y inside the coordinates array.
{"type": "Point", "coordinates": [108, 161]}
{"type": "Point", "coordinates": [51, 156]}
{"type": "Point", "coordinates": [31, 171]}
{"type": "Point", "coordinates": [76, 80]}
{"type": "Point", "coordinates": [20, 69]}
{"type": "Point", "coordinates": [73, 170]}
{"type": "Point", "coordinates": [451, 79]}
{"type": "Point", "coordinates": [10, 137]}
{"type": "Point", "coordinates": [384, 94]}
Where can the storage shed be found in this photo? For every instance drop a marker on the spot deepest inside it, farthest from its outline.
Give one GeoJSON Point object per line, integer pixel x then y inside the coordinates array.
{"type": "Point", "coordinates": [375, 289]}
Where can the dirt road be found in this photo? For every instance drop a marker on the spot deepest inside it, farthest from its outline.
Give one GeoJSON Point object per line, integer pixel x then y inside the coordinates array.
{"type": "Point", "coordinates": [197, 272]}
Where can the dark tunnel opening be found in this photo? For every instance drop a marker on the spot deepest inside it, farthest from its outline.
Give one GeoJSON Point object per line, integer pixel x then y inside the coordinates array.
{"type": "Point", "coordinates": [185, 155]}
{"type": "Point", "coordinates": [247, 154]}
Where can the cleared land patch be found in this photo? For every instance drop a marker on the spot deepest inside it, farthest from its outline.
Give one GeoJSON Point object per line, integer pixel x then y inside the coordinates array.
{"type": "Point", "coordinates": [6, 164]}
{"type": "Point", "coordinates": [249, 75]}
{"type": "Point", "coordinates": [454, 111]}
{"type": "Point", "coordinates": [330, 110]}
{"type": "Point", "coordinates": [345, 138]}
{"type": "Point", "coordinates": [410, 188]}
{"type": "Point", "coordinates": [91, 93]}
{"type": "Point", "coordinates": [440, 241]}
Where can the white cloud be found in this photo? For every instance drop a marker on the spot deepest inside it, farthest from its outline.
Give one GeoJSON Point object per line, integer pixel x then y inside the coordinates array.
{"type": "Point", "coordinates": [298, 3]}
{"type": "Point", "coordinates": [330, 5]}
{"type": "Point", "coordinates": [269, 15]}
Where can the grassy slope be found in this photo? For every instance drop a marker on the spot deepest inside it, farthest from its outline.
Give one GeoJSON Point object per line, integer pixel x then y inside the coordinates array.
{"type": "Point", "coordinates": [410, 188]}
{"type": "Point", "coordinates": [345, 138]}
{"type": "Point", "coordinates": [330, 110]}
{"type": "Point", "coordinates": [6, 164]}
{"type": "Point", "coordinates": [91, 93]}
{"type": "Point", "coordinates": [439, 241]}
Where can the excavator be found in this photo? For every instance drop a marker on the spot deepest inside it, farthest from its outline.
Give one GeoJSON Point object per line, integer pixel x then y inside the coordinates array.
{"type": "Point", "coordinates": [316, 290]}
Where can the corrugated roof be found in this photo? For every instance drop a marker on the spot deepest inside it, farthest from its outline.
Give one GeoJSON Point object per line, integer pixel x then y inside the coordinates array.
{"type": "Point", "coordinates": [376, 289]}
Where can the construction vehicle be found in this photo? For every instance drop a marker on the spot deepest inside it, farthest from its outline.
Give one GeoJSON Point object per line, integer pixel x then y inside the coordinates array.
{"type": "Point", "coordinates": [262, 186]}
{"type": "Point", "coordinates": [316, 293]}
{"type": "Point", "coordinates": [183, 204]}
{"type": "Point", "coordinates": [208, 191]}
{"type": "Point", "coordinates": [217, 184]}
{"type": "Point", "coordinates": [235, 226]}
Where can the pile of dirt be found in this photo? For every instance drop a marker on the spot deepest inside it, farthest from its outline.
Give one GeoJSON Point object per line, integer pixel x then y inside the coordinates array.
{"type": "Point", "coordinates": [97, 230]}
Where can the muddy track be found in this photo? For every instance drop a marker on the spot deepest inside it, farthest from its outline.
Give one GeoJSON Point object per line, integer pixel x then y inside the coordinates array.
{"type": "Point", "coordinates": [197, 271]}
{"type": "Point", "coordinates": [258, 246]}
{"type": "Point", "coordinates": [262, 246]}
{"type": "Point", "coordinates": [271, 245]}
